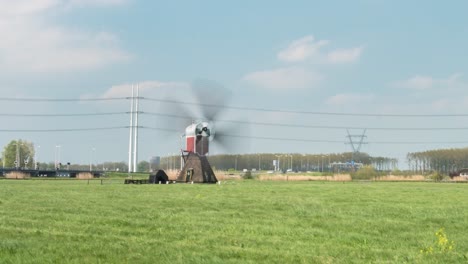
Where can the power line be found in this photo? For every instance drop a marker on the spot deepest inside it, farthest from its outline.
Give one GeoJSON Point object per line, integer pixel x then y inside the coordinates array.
{"type": "Point", "coordinates": [63, 115]}
{"type": "Point", "coordinates": [418, 142]}
{"type": "Point", "coordinates": [346, 127]}
{"type": "Point", "coordinates": [239, 122]}
{"type": "Point", "coordinates": [16, 99]}
{"type": "Point", "coordinates": [232, 107]}
{"type": "Point", "coordinates": [167, 115]}
{"type": "Point", "coordinates": [303, 112]}
{"type": "Point", "coordinates": [315, 126]}
{"type": "Point", "coordinates": [227, 135]}
{"type": "Point", "coordinates": [284, 139]}
{"type": "Point", "coordinates": [318, 140]}
{"type": "Point", "coordinates": [63, 129]}
{"type": "Point", "coordinates": [341, 142]}
{"type": "Point", "coordinates": [160, 129]}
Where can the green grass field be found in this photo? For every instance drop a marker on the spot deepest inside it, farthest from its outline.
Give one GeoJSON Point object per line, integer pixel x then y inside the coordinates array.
{"type": "Point", "coordinates": [69, 221]}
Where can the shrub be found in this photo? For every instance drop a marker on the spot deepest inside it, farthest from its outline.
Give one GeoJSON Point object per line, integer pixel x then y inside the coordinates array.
{"type": "Point", "coordinates": [365, 173]}
{"type": "Point", "coordinates": [248, 176]}
{"type": "Point", "coordinates": [437, 176]}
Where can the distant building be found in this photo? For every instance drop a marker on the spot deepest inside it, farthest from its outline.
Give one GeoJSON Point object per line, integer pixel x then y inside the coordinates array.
{"type": "Point", "coordinates": [464, 173]}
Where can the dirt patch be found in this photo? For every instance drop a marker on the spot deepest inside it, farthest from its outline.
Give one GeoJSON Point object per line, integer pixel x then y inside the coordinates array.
{"type": "Point", "coordinates": [220, 175]}
{"type": "Point", "coordinates": [459, 179]}
{"type": "Point", "coordinates": [337, 177]}
{"type": "Point", "coordinates": [84, 176]}
{"type": "Point", "coordinates": [401, 178]}
{"type": "Point", "coordinates": [224, 176]}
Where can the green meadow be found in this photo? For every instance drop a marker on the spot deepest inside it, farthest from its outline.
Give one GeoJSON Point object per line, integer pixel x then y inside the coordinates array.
{"type": "Point", "coordinates": [72, 221]}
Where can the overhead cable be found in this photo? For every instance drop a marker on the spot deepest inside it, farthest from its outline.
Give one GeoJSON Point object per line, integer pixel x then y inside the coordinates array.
{"type": "Point", "coordinates": [243, 108]}
{"type": "Point", "coordinates": [64, 115]}
{"type": "Point", "coordinates": [19, 99]}
{"type": "Point", "coordinates": [63, 129]}
{"type": "Point", "coordinates": [238, 121]}
{"type": "Point", "coordinates": [315, 126]}
{"type": "Point", "coordinates": [303, 112]}
{"type": "Point", "coordinates": [318, 140]}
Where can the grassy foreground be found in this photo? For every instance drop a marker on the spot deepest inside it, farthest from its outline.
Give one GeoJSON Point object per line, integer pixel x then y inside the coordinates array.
{"type": "Point", "coordinates": [238, 222]}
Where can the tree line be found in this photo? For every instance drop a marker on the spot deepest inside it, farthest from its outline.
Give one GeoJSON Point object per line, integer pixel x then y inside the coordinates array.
{"type": "Point", "coordinates": [293, 161]}
{"type": "Point", "coordinates": [442, 160]}
{"type": "Point", "coordinates": [23, 153]}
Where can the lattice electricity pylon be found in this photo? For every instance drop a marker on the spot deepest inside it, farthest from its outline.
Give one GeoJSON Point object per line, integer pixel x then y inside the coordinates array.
{"type": "Point", "coordinates": [356, 144]}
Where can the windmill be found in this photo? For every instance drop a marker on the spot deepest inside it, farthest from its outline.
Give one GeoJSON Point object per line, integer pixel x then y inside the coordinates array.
{"type": "Point", "coordinates": [204, 132]}
{"type": "Point", "coordinates": [196, 166]}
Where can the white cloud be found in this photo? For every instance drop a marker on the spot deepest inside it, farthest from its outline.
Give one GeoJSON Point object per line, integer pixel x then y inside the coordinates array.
{"type": "Point", "coordinates": [452, 103]}
{"type": "Point", "coordinates": [25, 7]}
{"type": "Point", "coordinates": [84, 3]}
{"type": "Point", "coordinates": [440, 104]}
{"type": "Point", "coordinates": [291, 78]}
{"type": "Point", "coordinates": [417, 83]}
{"type": "Point", "coordinates": [147, 88]}
{"type": "Point", "coordinates": [464, 100]}
{"type": "Point", "coordinates": [308, 48]}
{"type": "Point", "coordinates": [301, 49]}
{"type": "Point", "coordinates": [420, 82]}
{"type": "Point", "coordinates": [302, 76]}
{"type": "Point", "coordinates": [32, 44]}
{"type": "Point", "coordinates": [344, 98]}
{"type": "Point", "coordinates": [344, 55]}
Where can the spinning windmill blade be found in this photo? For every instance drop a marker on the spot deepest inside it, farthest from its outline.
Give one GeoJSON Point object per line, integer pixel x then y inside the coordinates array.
{"type": "Point", "coordinates": [200, 119]}
{"type": "Point", "coordinates": [232, 137]}
{"type": "Point", "coordinates": [212, 100]}
{"type": "Point", "coordinates": [176, 112]}
{"type": "Point", "coordinates": [173, 116]}
{"type": "Point", "coordinates": [209, 129]}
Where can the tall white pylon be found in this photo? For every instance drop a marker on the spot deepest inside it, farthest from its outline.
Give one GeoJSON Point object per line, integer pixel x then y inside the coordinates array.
{"type": "Point", "coordinates": [133, 141]}
{"type": "Point", "coordinates": [130, 142]}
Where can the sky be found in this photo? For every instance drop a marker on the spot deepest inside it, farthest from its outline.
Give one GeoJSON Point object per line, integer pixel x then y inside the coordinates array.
{"type": "Point", "coordinates": [321, 68]}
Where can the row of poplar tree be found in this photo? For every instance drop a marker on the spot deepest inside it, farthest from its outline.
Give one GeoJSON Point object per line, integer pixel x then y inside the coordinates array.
{"type": "Point", "coordinates": [443, 160]}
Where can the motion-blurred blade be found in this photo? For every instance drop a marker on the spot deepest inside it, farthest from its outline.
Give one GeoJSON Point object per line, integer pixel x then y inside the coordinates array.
{"type": "Point", "coordinates": [232, 138]}
{"type": "Point", "coordinates": [211, 97]}
{"type": "Point", "coordinates": [173, 115]}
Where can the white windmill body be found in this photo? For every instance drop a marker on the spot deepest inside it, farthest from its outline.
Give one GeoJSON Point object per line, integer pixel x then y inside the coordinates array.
{"type": "Point", "coordinates": [198, 135]}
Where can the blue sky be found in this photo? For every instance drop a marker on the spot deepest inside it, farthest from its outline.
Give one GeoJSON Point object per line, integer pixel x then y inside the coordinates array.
{"type": "Point", "coordinates": [363, 56]}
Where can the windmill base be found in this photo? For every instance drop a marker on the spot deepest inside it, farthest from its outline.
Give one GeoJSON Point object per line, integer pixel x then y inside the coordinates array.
{"type": "Point", "coordinates": [197, 169]}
